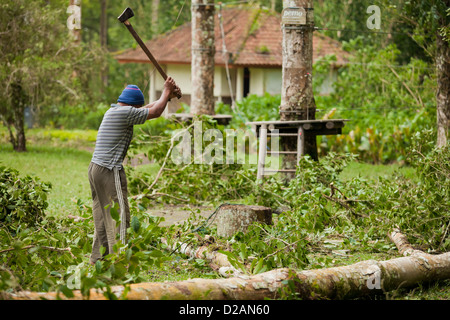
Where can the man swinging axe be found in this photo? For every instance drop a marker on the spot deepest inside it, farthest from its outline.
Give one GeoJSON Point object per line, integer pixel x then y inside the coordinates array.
{"type": "Point", "coordinates": [106, 175]}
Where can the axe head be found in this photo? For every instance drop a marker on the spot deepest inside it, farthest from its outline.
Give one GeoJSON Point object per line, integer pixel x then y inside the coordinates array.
{"type": "Point", "coordinates": [126, 14]}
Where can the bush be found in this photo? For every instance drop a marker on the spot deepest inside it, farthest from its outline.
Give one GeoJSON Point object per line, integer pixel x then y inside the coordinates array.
{"type": "Point", "coordinates": [22, 199]}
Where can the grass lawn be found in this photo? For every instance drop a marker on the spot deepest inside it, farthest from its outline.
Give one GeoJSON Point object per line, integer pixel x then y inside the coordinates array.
{"type": "Point", "coordinates": [371, 171]}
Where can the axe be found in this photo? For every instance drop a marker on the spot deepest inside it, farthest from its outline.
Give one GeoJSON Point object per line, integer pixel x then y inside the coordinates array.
{"type": "Point", "coordinates": [127, 14]}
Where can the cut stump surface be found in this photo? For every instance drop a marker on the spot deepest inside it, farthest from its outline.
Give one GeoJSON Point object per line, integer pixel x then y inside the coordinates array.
{"type": "Point", "coordinates": [232, 218]}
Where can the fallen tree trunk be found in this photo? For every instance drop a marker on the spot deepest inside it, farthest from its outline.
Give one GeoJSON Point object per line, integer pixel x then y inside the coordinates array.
{"type": "Point", "coordinates": [359, 279]}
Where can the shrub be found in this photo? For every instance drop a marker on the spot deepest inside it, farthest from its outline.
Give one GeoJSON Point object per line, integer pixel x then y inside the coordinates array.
{"type": "Point", "coordinates": [22, 199]}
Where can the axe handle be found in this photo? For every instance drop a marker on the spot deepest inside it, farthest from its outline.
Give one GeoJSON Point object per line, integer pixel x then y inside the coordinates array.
{"type": "Point", "coordinates": [144, 47]}
{"type": "Point", "coordinates": [147, 52]}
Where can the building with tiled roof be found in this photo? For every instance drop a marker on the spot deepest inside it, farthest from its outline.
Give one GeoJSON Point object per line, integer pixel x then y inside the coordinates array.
{"type": "Point", "coordinates": [253, 41]}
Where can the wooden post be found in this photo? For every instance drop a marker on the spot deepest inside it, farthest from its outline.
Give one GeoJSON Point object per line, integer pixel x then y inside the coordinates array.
{"type": "Point", "coordinates": [300, 143]}
{"type": "Point", "coordinates": [203, 51]}
{"type": "Point", "coordinates": [297, 99]}
{"type": "Point", "coordinates": [233, 218]}
{"type": "Point", "coordinates": [262, 151]}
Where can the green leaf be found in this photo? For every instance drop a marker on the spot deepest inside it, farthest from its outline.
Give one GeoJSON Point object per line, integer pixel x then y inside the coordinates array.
{"type": "Point", "coordinates": [232, 258]}
{"type": "Point", "coordinates": [259, 266]}
{"type": "Point", "coordinates": [114, 211]}
{"type": "Point", "coordinates": [66, 291]}
{"type": "Point", "coordinates": [135, 224]}
{"type": "Point", "coordinates": [155, 253]}
{"type": "Point", "coordinates": [98, 266]}
{"type": "Point", "coordinates": [128, 254]}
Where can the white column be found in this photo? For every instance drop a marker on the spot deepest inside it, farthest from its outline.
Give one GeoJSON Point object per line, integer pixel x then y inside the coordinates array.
{"type": "Point", "coordinates": [152, 87]}
{"type": "Point", "coordinates": [239, 84]}
{"type": "Point", "coordinates": [218, 85]}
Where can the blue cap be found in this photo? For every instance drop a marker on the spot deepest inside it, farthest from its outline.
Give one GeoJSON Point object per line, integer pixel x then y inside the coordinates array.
{"type": "Point", "coordinates": [132, 95]}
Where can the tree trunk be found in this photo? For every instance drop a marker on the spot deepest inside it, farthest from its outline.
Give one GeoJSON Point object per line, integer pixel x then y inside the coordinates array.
{"type": "Point", "coordinates": [297, 99]}
{"type": "Point", "coordinates": [203, 51]}
{"type": "Point", "coordinates": [20, 131]}
{"type": "Point", "coordinates": [104, 39]}
{"type": "Point", "coordinates": [155, 9]}
{"type": "Point", "coordinates": [19, 101]}
{"type": "Point", "coordinates": [443, 90]}
{"type": "Point", "coordinates": [359, 279]}
{"type": "Point", "coordinates": [272, 5]}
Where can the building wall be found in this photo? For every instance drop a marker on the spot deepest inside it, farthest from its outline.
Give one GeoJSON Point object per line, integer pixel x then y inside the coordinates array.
{"type": "Point", "coordinates": [272, 81]}
{"type": "Point", "coordinates": [261, 80]}
{"type": "Point", "coordinates": [268, 80]}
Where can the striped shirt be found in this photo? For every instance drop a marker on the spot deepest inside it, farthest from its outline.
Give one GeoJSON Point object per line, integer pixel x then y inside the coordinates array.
{"type": "Point", "coordinates": [115, 133]}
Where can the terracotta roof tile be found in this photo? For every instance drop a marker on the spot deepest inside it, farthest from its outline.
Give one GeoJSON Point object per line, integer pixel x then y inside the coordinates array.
{"type": "Point", "coordinates": [253, 38]}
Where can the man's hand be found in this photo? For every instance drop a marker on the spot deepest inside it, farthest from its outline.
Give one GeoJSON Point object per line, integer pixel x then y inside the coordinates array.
{"type": "Point", "coordinates": [170, 91]}
{"type": "Point", "coordinates": [176, 93]}
{"type": "Point", "coordinates": [172, 88]}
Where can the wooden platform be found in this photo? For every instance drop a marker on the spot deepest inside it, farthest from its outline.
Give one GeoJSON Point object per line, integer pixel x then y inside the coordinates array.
{"type": "Point", "coordinates": [299, 129]}
{"type": "Point", "coordinates": [311, 127]}
{"type": "Point", "coordinates": [223, 119]}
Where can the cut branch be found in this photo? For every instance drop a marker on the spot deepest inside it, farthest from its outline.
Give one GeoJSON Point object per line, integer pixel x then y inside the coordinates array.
{"type": "Point", "coordinates": [76, 218]}
{"type": "Point", "coordinates": [402, 243]}
{"type": "Point", "coordinates": [157, 194]}
{"type": "Point", "coordinates": [344, 203]}
{"type": "Point", "coordinates": [41, 247]}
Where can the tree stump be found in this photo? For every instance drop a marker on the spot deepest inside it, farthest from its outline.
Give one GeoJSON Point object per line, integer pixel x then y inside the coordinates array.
{"type": "Point", "coordinates": [232, 218]}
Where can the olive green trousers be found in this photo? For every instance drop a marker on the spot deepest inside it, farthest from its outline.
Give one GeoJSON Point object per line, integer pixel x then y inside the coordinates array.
{"type": "Point", "coordinates": [104, 195]}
